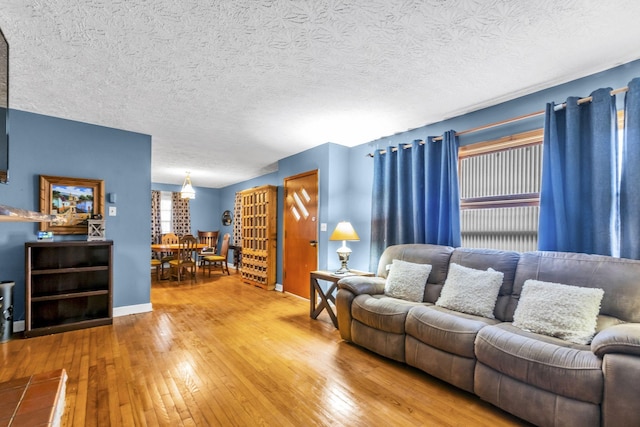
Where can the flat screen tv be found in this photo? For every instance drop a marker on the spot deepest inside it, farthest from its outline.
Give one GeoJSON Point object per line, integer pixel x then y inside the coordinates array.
{"type": "Point", "coordinates": [4, 108]}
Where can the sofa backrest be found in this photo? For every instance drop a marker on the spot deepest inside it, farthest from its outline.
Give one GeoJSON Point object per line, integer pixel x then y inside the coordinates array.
{"type": "Point", "coordinates": [482, 259]}
{"type": "Point", "coordinates": [437, 256]}
{"type": "Point", "coordinates": [618, 277]}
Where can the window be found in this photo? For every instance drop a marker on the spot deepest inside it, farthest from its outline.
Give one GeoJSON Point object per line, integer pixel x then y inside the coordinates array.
{"type": "Point", "coordinates": [165, 211]}
{"type": "Point", "coordinates": [500, 192]}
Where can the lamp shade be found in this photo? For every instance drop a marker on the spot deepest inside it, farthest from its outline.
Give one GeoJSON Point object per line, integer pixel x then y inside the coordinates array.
{"type": "Point", "coordinates": [344, 231]}
{"type": "Point", "coordinates": [187, 189]}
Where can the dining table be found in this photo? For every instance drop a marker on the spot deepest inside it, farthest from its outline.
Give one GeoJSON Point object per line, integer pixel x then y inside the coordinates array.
{"type": "Point", "coordinates": [173, 247]}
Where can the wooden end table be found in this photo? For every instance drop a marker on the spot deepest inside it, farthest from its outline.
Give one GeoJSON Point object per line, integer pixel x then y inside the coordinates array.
{"type": "Point", "coordinates": [315, 291]}
{"type": "Point", "coordinates": [237, 256]}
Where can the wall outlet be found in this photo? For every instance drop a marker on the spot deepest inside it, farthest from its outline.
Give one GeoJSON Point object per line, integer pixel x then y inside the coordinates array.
{"type": "Point", "coordinates": [112, 211]}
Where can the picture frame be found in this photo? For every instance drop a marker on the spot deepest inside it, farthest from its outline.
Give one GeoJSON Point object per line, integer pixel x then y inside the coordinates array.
{"type": "Point", "coordinates": [73, 201]}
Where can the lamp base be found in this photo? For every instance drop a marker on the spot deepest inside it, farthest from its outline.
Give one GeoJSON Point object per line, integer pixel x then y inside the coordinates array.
{"type": "Point", "coordinates": [344, 259]}
{"type": "Point", "coordinates": [342, 270]}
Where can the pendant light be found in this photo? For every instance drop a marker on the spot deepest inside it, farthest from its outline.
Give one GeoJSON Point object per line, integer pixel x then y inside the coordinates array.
{"type": "Point", "coordinates": [187, 189]}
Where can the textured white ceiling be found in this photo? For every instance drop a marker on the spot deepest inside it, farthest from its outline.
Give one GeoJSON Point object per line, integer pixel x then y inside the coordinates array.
{"type": "Point", "coordinates": [228, 87]}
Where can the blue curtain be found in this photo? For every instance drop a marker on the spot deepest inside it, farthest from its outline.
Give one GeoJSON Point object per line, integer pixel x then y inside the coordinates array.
{"type": "Point", "coordinates": [415, 195]}
{"type": "Point", "coordinates": [443, 200]}
{"type": "Point", "coordinates": [578, 197]}
{"type": "Point", "coordinates": [630, 179]}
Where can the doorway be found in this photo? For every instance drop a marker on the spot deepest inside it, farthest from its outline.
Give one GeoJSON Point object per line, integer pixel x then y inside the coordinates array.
{"type": "Point", "coordinates": [300, 251]}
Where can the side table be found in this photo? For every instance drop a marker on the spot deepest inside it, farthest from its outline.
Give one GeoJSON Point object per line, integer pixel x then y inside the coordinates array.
{"type": "Point", "coordinates": [237, 256]}
{"type": "Point", "coordinates": [315, 291]}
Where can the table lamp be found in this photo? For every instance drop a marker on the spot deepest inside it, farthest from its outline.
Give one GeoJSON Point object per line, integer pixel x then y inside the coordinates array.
{"type": "Point", "coordinates": [344, 231]}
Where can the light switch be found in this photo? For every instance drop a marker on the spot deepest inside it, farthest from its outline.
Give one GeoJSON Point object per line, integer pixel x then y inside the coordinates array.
{"type": "Point", "coordinates": [112, 211]}
{"type": "Point", "coordinates": [323, 226]}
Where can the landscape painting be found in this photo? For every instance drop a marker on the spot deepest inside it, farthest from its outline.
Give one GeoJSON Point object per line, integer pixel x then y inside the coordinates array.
{"type": "Point", "coordinates": [71, 204]}
{"type": "Point", "coordinates": [72, 201]}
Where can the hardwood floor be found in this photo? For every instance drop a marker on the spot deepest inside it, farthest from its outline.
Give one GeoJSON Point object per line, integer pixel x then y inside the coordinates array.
{"type": "Point", "coordinates": [221, 352]}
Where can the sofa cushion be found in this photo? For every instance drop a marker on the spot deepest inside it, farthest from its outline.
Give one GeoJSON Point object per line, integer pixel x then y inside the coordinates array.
{"type": "Point", "coordinates": [446, 330]}
{"type": "Point", "coordinates": [435, 255]}
{"type": "Point", "coordinates": [557, 310]}
{"type": "Point", "coordinates": [617, 276]}
{"type": "Point", "coordinates": [381, 312]}
{"type": "Point", "coordinates": [503, 261]}
{"type": "Point", "coordinates": [471, 291]}
{"type": "Point", "coordinates": [407, 280]}
{"type": "Point", "coordinates": [548, 363]}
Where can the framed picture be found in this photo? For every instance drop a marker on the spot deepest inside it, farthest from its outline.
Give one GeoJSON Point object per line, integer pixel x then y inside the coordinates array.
{"type": "Point", "coordinates": [73, 201]}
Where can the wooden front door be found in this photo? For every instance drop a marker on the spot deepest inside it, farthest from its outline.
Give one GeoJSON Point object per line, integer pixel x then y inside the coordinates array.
{"type": "Point", "coordinates": [300, 232]}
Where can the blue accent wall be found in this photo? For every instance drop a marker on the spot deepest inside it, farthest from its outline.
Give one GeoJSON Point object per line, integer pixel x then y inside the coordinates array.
{"type": "Point", "coordinates": [362, 166]}
{"type": "Point", "coordinates": [205, 209]}
{"type": "Point", "coordinates": [346, 174]}
{"type": "Point", "coordinates": [43, 145]}
{"type": "Point", "coordinates": [52, 146]}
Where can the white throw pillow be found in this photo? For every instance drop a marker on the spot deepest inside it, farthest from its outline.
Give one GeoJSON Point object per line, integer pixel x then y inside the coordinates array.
{"type": "Point", "coordinates": [563, 311]}
{"type": "Point", "coordinates": [407, 280]}
{"type": "Point", "coordinates": [471, 291]}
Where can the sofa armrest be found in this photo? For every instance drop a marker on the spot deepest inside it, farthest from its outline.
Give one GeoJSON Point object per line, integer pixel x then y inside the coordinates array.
{"type": "Point", "coordinates": [359, 285]}
{"type": "Point", "coordinates": [622, 338]}
{"type": "Point", "coordinates": [348, 289]}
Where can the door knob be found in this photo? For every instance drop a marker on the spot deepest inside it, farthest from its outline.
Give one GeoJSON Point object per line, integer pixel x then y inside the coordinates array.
{"type": "Point", "coordinates": [313, 243]}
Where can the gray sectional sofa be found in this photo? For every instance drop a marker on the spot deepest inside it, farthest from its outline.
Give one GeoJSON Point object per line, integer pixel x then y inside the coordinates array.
{"type": "Point", "coordinates": [543, 379]}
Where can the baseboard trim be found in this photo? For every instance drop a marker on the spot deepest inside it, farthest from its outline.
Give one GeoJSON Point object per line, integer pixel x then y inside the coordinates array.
{"type": "Point", "coordinates": [132, 309]}
{"type": "Point", "coordinates": [18, 325]}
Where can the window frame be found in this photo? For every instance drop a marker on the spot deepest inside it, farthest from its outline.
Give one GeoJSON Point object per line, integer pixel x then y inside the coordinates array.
{"type": "Point", "coordinates": [164, 197]}
{"type": "Point", "coordinates": [519, 140]}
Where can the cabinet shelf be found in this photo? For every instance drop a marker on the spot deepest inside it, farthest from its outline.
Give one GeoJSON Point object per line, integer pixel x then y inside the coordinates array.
{"type": "Point", "coordinates": [69, 295]}
{"type": "Point", "coordinates": [68, 270]}
{"type": "Point", "coordinates": [68, 286]}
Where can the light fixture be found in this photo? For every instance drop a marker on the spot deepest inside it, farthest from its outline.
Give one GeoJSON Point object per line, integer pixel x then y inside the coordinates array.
{"type": "Point", "coordinates": [344, 231]}
{"type": "Point", "coordinates": [187, 191]}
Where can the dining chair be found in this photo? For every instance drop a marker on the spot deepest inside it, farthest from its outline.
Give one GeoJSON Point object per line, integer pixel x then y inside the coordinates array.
{"type": "Point", "coordinates": [219, 260]}
{"type": "Point", "coordinates": [165, 257]}
{"type": "Point", "coordinates": [185, 261]}
{"type": "Point", "coordinates": [209, 238]}
{"type": "Point", "coordinates": [157, 264]}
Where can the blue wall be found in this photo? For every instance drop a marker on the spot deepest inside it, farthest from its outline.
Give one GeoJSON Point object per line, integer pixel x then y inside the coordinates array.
{"type": "Point", "coordinates": [362, 166]}
{"type": "Point", "coordinates": [346, 174]}
{"type": "Point", "coordinates": [51, 146]}
{"type": "Point", "coordinates": [205, 209]}
{"type": "Point", "coordinates": [42, 145]}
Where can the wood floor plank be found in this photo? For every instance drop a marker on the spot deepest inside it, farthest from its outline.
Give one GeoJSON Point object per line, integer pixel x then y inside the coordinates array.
{"type": "Point", "coordinates": [223, 353]}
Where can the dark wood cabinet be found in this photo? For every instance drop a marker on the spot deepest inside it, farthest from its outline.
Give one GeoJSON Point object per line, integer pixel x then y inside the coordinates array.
{"type": "Point", "coordinates": [68, 286]}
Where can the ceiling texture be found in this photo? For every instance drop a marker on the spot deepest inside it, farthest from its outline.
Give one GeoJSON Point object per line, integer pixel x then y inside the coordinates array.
{"type": "Point", "coordinates": [226, 88]}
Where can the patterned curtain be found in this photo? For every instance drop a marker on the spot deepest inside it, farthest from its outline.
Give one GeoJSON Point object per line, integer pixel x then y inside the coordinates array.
{"type": "Point", "coordinates": [237, 221]}
{"type": "Point", "coordinates": [180, 215]}
{"type": "Point", "coordinates": [156, 229]}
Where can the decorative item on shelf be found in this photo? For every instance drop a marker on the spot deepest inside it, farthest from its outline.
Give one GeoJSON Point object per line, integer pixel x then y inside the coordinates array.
{"type": "Point", "coordinates": [227, 219]}
{"type": "Point", "coordinates": [96, 229]}
{"type": "Point", "coordinates": [11, 214]}
{"type": "Point", "coordinates": [187, 191]}
{"type": "Point", "coordinates": [45, 236]}
{"type": "Point", "coordinates": [344, 231]}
